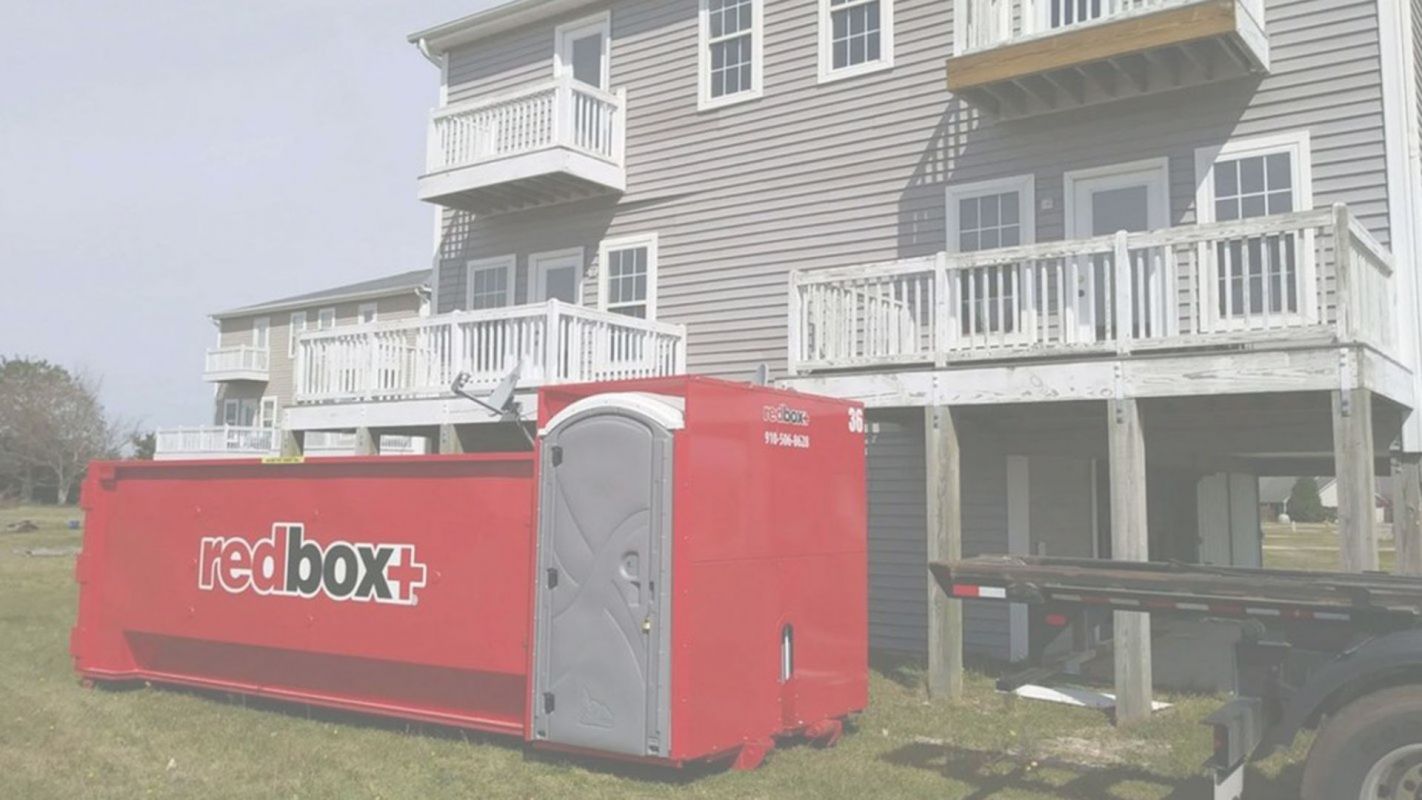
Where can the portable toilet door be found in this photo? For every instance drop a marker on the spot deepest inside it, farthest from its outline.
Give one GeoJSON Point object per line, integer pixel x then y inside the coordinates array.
{"type": "Point", "coordinates": [601, 674]}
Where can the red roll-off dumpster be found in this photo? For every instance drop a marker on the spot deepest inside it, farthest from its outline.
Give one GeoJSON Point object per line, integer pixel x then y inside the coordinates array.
{"type": "Point", "coordinates": [677, 573]}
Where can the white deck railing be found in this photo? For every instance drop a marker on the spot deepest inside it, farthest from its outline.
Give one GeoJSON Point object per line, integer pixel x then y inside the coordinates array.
{"type": "Point", "coordinates": [242, 358]}
{"type": "Point", "coordinates": [985, 24]}
{"type": "Point", "coordinates": [556, 113]}
{"type": "Point", "coordinates": [1259, 280]}
{"type": "Point", "coordinates": [555, 342]}
{"type": "Point", "coordinates": [216, 441]}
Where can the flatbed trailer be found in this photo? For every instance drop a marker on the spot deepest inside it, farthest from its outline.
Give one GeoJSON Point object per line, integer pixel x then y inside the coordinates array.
{"type": "Point", "coordinates": [1338, 653]}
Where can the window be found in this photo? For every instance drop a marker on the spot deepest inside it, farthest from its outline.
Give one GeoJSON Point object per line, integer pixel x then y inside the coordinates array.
{"type": "Point", "coordinates": [298, 325]}
{"type": "Point", "coordinates": [490, 283]}
{"type": "Point", "coordinates": [367, 313]}
{"type": "Point", "coordinates": [261, 332]}
{"type": "Point", "coordinates": [986, 216]}
{"type": "Point", "coordinates": [325, 319]}
{"type": "Point", "coordinates": [1246, 180]}
{"type": "Point", "coordinates": [627, 279]}
{"type": "Point", "coordinates": [240, 412]}
{"type": "Point", "coordinates": [856, 36]}
{"type": "Point", "coordinates": [730, 57]}
{"type": "Point", "coordinates": [267, 418]}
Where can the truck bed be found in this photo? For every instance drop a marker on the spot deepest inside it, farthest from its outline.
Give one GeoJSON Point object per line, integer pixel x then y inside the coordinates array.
{"type": "Point", "coordinates": [1372, 599]}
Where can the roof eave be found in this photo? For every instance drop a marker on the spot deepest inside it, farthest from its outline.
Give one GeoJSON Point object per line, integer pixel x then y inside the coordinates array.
{"type": "Point", "coordinates": [292, 305]}
{"type": "Point", "coordinates": [435, 41]}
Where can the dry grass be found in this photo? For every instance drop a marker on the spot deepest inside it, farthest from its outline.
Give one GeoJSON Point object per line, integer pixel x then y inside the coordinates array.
{"type": "Point", "coordinates": [58, 740]}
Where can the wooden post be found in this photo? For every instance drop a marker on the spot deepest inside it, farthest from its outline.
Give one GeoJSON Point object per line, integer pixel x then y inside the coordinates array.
{"type": "Point", "coordinates": [1354, 464]}
{"type": "Point", "coordinates": [1130, 541]}
{"type": "Point", "coordinates": [449, 441]}
{"type": "Point", "coordinates": [293, 444]}
{"type": "Point", "coordinates": [1407, 512]}
{"type": "Point", "coordinates": [367, 442]}
{"type": "Point", "coordinates": [945, 543]}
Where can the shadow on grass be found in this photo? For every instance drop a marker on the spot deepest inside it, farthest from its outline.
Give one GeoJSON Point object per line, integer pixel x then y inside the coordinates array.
{"type": "Point", "coordinates": [647, 773]}
{"type": "Point", "coordinates": [988, 774]}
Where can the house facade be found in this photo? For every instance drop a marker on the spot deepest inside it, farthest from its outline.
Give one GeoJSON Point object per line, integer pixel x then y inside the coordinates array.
{"type": "Point", "coordinates": [253, 365]}
{"type": "Point", "coordinates": [1094, 267]}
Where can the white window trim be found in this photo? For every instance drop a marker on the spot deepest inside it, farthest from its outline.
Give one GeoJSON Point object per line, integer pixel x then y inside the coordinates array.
{"type": "Point", "coordinates": [1159, 166]}
{"type": "Point", "coordinates": [293, 331]}
{"type": "Point", "coordinates": [647, 240]}
{"type": "Point", "coordinates": [373, 308]}
{"type": "Point", "coordinates": [704, 100]}
{"type": "Point", "coordinates": [261, 326]}
{"type": "Point", "coordinates": [321, 313]}
{"type": "Point", "coordinates": [1296, 143]}
{"type": "Point", "coordinates": [536, 286]}
{"type": "Point", "coordinates": [1024, 185]}
{"type": "Point", "coordinates": [828, 73]}
{"type": "Point", "coordinates": [560, 37]}
{"type": "Point", "coordinates": [508, 262]}
{"type": "Point", "coordinates": [262, 412]}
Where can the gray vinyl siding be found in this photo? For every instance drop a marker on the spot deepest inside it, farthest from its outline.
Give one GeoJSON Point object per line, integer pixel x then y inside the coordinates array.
{"type": "Point", "coordinates": [854, 171]}
{"type": "Point", "coordinates": [281, 376]}
{"type": "Point", "coordinates": [898, 570]}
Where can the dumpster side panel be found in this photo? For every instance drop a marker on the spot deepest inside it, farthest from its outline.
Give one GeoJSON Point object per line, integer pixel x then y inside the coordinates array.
{"type": "Point", "coordinates": [206, 573]}
{"type": "Point", "coordinates": [770, 539]}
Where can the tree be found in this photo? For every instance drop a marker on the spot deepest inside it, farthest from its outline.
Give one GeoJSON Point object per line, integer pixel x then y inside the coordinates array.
{"type": "Point", "coordinates": [143, 445]}
{"type": "Point", "coordinates": [51, 426]}
{"type": "Point", "coordinates": [1304, 503]}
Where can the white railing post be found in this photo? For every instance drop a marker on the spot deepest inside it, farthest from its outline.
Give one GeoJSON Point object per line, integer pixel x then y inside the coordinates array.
{"type": "Point", "coordinates": [553, 346]}
{"type": "Point", "coordinates": [563, 112]}
{"type": "Point", "coordinates": [435, 157]}
{"type": "Point", "coordinates": [794, 332]}
{"type": "Point", "coordinates": [944, 311]}
{"type": "Point", "coordinates": [619, 128]}
{"type": "Point", "coordinates": [1343, 272]}
{"type": "Point", "coordinates": [1125, 292]}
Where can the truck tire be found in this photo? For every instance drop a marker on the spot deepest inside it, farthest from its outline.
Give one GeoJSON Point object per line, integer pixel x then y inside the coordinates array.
{"type": "Point", "coordinates": [1370, 750]}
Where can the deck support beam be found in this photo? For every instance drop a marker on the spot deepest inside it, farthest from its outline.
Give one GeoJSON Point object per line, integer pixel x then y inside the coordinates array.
{"type": "Point", "coordinates": [1130, 541]}
{"type": "Point", "coordinates": [293, 444]}
{"type": "Point", "coordinates": [367, 442]}
{"type": "Point", "coordinates": [943, 457]}
{"type": "Point", "coordinates": [449, 441]}
{"type": "Point", "coordinates": [1407, 512]}
{"type": "Point", "coordinates": [1354, 464]}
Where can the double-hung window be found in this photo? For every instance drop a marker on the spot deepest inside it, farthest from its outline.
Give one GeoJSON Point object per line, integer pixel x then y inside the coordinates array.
{"type": "Point", "coordinates": [491, 283]}
{"type": "Point", "coordinates": [730, 57]}
{"type": "Point", "coordinates": [261, 333]}
{"type": "Point", "coordinates": [297, 326]}
{"type": "Point", "coordinates": [1245, 180]}
{"type": "Point", "coordinates": [628, 277]}
{"type": "Point", "coordinates": [856, 36]}
{"type": "Point", "coordinates": [368, 313]}
{"type": "Point", "coordinates": [987, 216]}
{"type": "Point", "coordinates": [325, 319]}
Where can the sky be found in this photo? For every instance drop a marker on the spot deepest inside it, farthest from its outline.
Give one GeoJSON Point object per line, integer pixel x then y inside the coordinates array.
{"type": "Point", "coordinates": [164, 159]}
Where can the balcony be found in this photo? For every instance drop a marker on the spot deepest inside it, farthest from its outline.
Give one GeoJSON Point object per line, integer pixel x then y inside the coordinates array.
{"type": "Point", "coordinates": [1016, 58]}
{"type": "Point", "coordinates": [215, 441]}
{"type": "Point", "coordinates": [1293, 280]}
{"type": "Point", "coordinates": [240, 363]}
{"type": "Point", "coordinates": [419, 358]}
{"type": "Point", "coordinates": [551, 142]}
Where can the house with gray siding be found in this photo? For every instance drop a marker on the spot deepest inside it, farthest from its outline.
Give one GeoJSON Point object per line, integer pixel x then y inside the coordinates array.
{"type": "Point", "coordinates": [1103, 265]}
{"type": "Point", "coordinates": [253, 364]}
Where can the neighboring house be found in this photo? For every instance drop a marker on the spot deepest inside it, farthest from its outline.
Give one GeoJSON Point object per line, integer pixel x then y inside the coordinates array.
{"type": "Point", "coordinates": [1128, 258]}
{"type": "Point", "coordinates": [253, 366]}
{"type": "Point", "coordinates": [1382, 498]}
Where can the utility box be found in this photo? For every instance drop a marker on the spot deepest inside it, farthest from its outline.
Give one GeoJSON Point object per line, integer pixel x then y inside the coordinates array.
{"type": "Point", "coordinates": [677, 573]}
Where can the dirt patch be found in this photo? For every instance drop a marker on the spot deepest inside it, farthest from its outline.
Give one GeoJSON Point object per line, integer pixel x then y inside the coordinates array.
{"type": "Point", "coordinates": [1097, 752]}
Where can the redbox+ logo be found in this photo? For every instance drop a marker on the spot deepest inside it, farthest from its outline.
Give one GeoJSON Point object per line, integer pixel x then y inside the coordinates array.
{"type": "Point", "coordinates": [287, 564]}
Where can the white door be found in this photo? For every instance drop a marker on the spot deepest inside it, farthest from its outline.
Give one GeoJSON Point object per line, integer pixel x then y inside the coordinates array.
{"type": "Point", "coordinates": [1102, 202]}
{"type": "Point", "coordinates": [582, 51]}
{"type": "Point", "coordinates": [557, 276]}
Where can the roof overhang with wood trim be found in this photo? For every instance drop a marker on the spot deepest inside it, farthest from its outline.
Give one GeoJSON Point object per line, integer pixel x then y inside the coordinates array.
{"type": "Point", "coordinates": [1170, 46]}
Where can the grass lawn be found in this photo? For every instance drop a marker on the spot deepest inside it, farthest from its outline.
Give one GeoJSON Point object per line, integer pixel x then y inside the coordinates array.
{"type": "Point", "coordinates": [1315, 548]}
{"type": "Point", "coordinates": [58, 740]}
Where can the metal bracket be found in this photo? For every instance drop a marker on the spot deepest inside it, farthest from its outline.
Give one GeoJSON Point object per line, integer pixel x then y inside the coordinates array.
{"type": "Point", "coordinates": [1346, 381]}
{"type": "Point", "coordinates": [1118, 388]}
